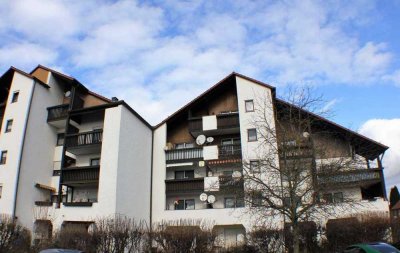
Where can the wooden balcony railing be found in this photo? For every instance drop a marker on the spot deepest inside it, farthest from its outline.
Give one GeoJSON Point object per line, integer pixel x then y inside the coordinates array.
{"type": "Point", "coordinates": [82, 139]}
{"type": "Point", "coordinates": [184, 185]}
{"type": "Point", "coordinates": [230, 120]}
{"type": "Point", "coordinates": [57, 112]}
{"type": "Point", "coordinates": [353, 177]}
{"type": "Point", "coordinates": [184, 154]}
{"type": "Point", "coordinates": [80, 174]}
{"type": "Point", "coordinates": [229, 151]}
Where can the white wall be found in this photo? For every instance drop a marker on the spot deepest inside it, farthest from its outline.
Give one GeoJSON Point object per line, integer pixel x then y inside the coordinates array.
{"type": "Point", "coordinates": [38, 153]}
{"type": "Point", "coordinates": [134, 167]}
{"type": "Point", "coordinates": [13, 141]}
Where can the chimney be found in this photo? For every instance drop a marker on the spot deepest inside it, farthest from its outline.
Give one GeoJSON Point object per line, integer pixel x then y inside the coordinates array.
{"type": "Point", "coordinates": [114, 99]}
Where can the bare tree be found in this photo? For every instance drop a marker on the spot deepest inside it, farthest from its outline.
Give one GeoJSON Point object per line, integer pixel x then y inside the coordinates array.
{"type": "Point", "coordinates": [282, 183]}
{"type": "Point", "coordinates": [13, 237]}
{"type": "Point", "coordinates": [180, 236]}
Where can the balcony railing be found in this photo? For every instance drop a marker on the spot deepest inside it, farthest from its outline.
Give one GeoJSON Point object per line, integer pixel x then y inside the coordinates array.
{"type": "Point", "coordinates": [86, 174]}
{"type": "Point", "coordinates": [359, 176]}
{"type": "Point", "coordinates": [82, 139]}
{"type": "Point", "coordinates": [184, 185]}
{"type": "Point", "coordinates": [57, 112]}
{"type": "Point", "coordinates": [230, 120]}
{"type": "Point", "coordinates": [230, 151]}
{"type": "Point", "coordinates": [184, 154]}
{"type": "Point", "coordinates": [229, 181]}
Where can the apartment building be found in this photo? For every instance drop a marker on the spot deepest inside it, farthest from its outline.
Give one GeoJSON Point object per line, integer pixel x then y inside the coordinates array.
{"type": "Point", "coordinates": [69, 155]}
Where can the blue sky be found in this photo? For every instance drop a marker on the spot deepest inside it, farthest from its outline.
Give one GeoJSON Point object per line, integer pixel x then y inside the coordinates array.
{"type": "Point", "coordinates": [158, 55]}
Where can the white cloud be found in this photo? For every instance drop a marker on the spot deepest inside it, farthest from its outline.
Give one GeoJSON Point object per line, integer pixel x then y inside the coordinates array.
{"type": "Point", "coordinates": [169, 51]}
{"type": "Point", "coordinates": [386, 131]}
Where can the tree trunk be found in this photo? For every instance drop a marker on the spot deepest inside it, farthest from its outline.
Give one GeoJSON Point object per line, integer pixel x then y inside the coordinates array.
{"type": "Point", "coordinates": [296, 238]}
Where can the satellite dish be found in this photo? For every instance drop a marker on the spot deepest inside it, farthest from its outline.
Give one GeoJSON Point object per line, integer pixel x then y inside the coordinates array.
{"type": "Point", "coordinates": [236, 174]}
{"type": "Point", "coordinates": [201, 139]}
{"type": "Point", "coordinates": [210, 139]}
{"type": "Point", "coordinates": [67, 94]}
{"type": "Point", "coordinates": [203, 197]}
{"type": "Point", "coordinates": [306, 134]}
{"type": "Point", "coordinates": [211, 199]}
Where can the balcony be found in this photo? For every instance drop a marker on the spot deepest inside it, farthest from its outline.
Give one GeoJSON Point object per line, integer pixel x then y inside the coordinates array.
{"type": "Point", "coordinates": [179, 155]}
{"type": "Point", "coordinates": [219, 125]}
{"type": "Point", "coordinates": [230, 151]}
{"type": "Point", "coordinates": [228, 182]}
{"type": "Point", "coordinates": [80, 175]}
{"type": "Point", "coordinates": [57, 115]}
{"type": "Point", "coordinates": [359, 177]}
{"type": "Point", "coordinates": [84, 143]}
{"type": "Point", "coordinates": [188, 185]}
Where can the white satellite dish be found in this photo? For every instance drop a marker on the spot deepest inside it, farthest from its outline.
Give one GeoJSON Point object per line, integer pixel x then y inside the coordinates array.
{"type": "Point", "coordinates": [203, 197]}
{"type": "Point", "coordinates": [210, 139]}
{"type": "Point", "coordinates": [67, 94]}
{"type": "Point", "coordinates": [201, 139]}
{"type": "Point", "coordinates": [211, 199]}
{"type": "Point", "coordinates": [236, 174]}
{"type": "Point", "coordinates": [306, 134]}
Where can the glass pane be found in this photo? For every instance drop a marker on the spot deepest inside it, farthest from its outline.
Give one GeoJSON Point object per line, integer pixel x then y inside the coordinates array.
{"type": "Point", "coordinates": [179, 204]}
{"type": "Point", "coordinates": [179, 174]}
{"type": "Point", "coordinates": [252, 134]}
{"type": "Point", "coordinates": [249, 106]}
{"type": "Point", "coordinates": [189, 174]}
{"type": "Point", "coordinates": [338, 197]}
{"type": "Point", "coordinates": [180, 145]}
{"type": "Point", "coordinates": [229, 202]}
{"type": "Point", "coordinates": [189, 204]}
{"type": "Point", "coordinates": [95, 162]}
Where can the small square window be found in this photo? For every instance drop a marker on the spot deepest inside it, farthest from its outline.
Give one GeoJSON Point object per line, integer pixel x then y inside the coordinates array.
{"type": "Point", "coordinates": [1, 190]}
{"type": "Point", "coordinates": [179, 204]}
{"type": "Point", "coordinates": [252, 134]}
{"type": "Point", "coordinates": [229, 203]}
{"type": "Point", "coordinates": [95, 162]}
{"type": "Point", "coordinates": [249, 104]}
{"type": "Point", "coordinates": [256, 199]}
{"type": "Point", "coordinates": [60, 139]}
{"type": "Point", "coordinates": [3, 158]}
{"type": "Point", "coordinates": [328, 198]}
{"type": "Point", "coordinates": [338, 197]}
{"type": "Point", "coordinates": [189, 204]}
{"type": "Point", "coordinates": [15, 97]}
{"type": "Point", "coordinates": [255, 166]}
{"type": "Point", "coordinates": [9, 125]}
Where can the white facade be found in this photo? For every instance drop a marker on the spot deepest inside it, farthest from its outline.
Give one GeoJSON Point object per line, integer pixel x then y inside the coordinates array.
{"type": "Point", "coordinates": [133, 169]}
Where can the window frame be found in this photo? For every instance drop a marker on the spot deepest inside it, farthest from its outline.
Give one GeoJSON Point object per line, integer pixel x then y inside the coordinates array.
{"type": "Point", "coordinates": [184, 174]}
{"type": "Point", "coordinates": [15, 96]}
{"type": "Point", "coordinates": [1, 190]}
{"type": "Point", "coordinates": [3, 157]}
{"type": "Point", "coordinates": [248, 134]}
{"type": "Point", "coordinates": [60, 136]}
{"type": "Point", "coordinates": [245, 105]}
{"type": "Point", "coordinates": [255, 169]}
{"type": "Point", "coordinates": [95, 159]}
{"type": "Point", "coordinates": [182, 204]}
{"type": "Point", "coordinates": [9, 125]}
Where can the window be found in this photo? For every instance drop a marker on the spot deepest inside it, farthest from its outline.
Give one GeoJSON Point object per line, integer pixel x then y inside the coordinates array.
{"type": "Point", "coordinates": [1, 190]}
{"type": "Point", "coordinates": [336, 197]}
{"type": "Point", "coordinates": [15, 97]}
{"type": "Point", "coordinates": [184, 204]}
{"type": "Point", "coordinates": [256, 199]}
{"type": "Point", "coordinates": [3, 157]}
{"type": "Point", "coordinates": [184, 145]}
{"type": "Point", "coordinates": [9, 125]}
{"type": "Point", "coordinates": [95, 162]}
{"type": "Point", "coordinates": [251, 134]}
{"type": "Point", "coordinates": [184, 174]}
{"type": "Point", "coordinates": [254, 166]}
{"type": "Point", "coordinates": [60, 139]}
{"type": "Point", "coordinates": [249, 105]}
{"type": "Point", "coordinates": [232, 202]}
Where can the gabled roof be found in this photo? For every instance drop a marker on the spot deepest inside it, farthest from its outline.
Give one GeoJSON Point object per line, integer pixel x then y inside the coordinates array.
{"type": "Point", "coordinates": [72, 80]}
{"type": "Point", "coordinates": [208, 91]}
{"type": "Point", "coordinates": [14, 69]}
{"type": "Point", "coordinates": [366, 146]}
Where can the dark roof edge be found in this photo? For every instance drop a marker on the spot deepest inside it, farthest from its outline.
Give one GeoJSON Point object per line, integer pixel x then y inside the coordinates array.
{"type": "Point", "coordinates": [100, 96]}
{"type": "Point", "coordinates": [12, 68]}
{"type": "Point", "coordinates": [110, 105]}
{"type": "Point", "coordinates": [333, 123]}
{"type": "Point", "coordinates": [210, 89]}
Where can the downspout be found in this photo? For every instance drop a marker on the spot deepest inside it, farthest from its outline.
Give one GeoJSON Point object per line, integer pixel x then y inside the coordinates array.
{"type": "Point", "coordinates": [151, 179]}
{"type": "Point", "coordinates": [22, 152]}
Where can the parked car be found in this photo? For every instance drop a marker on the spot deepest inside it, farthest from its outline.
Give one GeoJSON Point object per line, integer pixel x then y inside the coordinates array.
{"type": "Point", "coordinates": [61, 251]}
{"type": "Point", "coordinates": [378, 247]}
